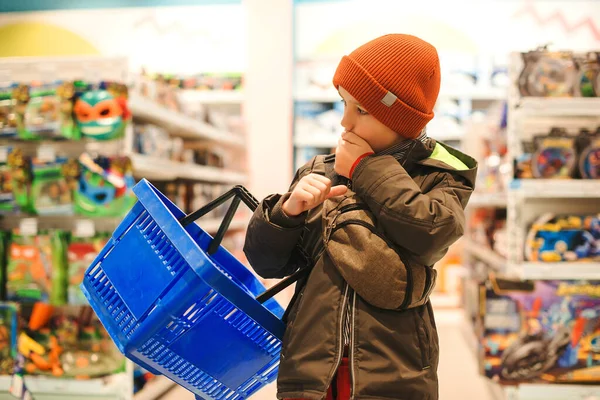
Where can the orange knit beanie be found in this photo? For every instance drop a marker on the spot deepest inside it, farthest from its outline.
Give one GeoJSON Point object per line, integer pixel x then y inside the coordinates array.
{"type": "Point", "coordinates": [396, 78]}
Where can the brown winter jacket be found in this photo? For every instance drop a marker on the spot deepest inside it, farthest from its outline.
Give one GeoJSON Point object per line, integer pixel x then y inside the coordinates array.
{"type": "Point", "coordinates": [408, 214]}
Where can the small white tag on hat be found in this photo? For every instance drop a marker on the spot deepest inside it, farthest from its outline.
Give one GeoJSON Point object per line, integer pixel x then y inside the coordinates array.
{"type": "Point", "coordinates": [389, 99]}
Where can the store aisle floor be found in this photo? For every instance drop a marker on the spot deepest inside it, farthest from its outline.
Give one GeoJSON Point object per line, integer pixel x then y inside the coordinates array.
{"type": "Point", "coordinates": [458, 371]}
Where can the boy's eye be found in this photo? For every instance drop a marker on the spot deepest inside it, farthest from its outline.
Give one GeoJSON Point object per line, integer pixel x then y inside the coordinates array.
{"type": "Point", "coordinates": [362, 112]}
{"type": "Point", "coordinates": [343, 101]}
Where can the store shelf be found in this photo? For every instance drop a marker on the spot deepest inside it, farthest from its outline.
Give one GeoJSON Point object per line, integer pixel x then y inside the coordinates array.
{"type": "Point", "coordinates": [552, 392]}
{"type": "Point", "coordinates": [113, 387]}
{"type": "Point", "coordinates": [556, 188]}
{"type": "Point", "coordinates": [559, 106]}
{"type": "Point", "coordinates": [155, 389]}
{"type": "Point", "coordinates": [212, 96]}
{"type": "Point", "coordinates": [162, 169]}
{"type": "Point", "coordinates": [323, 140]}
{"type": "Point", "coordinates": [558, 271]}
{"type": "Point", "coordinates": [482, 252]}
{"type": "Point", "coordinates": [179, 124]}
{"type": "Point", "coordinates": [498, 200]}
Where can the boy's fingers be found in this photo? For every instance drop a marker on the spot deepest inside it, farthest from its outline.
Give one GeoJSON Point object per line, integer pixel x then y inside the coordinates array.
{"type": "Point", "coordinates": [337, 191]}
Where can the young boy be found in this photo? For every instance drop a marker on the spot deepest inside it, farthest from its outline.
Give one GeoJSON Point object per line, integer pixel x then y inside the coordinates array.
{"type": "Point", "coordinates": [364, 328]}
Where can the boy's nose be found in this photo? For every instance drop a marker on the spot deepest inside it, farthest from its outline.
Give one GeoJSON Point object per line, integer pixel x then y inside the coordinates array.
{"type": "Point", "coordinates": [347, 122]}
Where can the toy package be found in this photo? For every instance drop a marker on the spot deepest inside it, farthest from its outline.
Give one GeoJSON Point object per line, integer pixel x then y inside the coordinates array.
{"type": "Point", "coordinates": [105, 186]}
{"type": "Point", "coordinates": [8, 116]}
{"type": "Point", "coordinates": [588, 149]}
{"type": "Point", "coordinates": [543, 331]}
{"type": "Point", "coordinates": [559, 74]}
{"type": "Point", "coordinates": [67, 342]}
{"type": "Point", "coordinates": [8, 337]}
{"type": "Point", "coordinates": [7, 197]}
{"type": "Point", "coordinates": [51, 191]}
{"type": "Point", "coordinates": [21, 176]}
{"type": "Point", "coordinates": [82, 251]}
{"type": "Point", "coordinates": [38, 111]}
{"type": "Point", "coordinates": [101, 113]}
{"type": "Point", "coordinates": [571, 238]}
{"type": "Point", "coordinates": [555, 156]}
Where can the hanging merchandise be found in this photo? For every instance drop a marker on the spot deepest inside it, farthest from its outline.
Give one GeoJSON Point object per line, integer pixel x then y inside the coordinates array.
{"type": "Point", "coordinates": [21, 176]}
{"type": "Point", "coordinates": [51, 192]}
{"type": "Point", "coordinates": [564, 238]}
{"type": "Point", "coordinates": [101, 112]}
{"type": "Point", "coordinates": [81, 252]}
{"type": "Point", "coordinates": [7, 197]}
{"type": "Point", "coordinates": [8, 337]}
{"type": "Point", "coordinates": [29, 267]}
{"type": "Point", "coordinates": [8, 116]}
{"type": "Point", "coordinates": [105, 185]}
{"type": "Point", "coordinates": [544, 331]}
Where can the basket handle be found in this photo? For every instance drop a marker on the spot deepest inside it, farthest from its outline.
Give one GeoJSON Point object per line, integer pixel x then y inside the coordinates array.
{"type": "Point", "coordinates": [240, 193]}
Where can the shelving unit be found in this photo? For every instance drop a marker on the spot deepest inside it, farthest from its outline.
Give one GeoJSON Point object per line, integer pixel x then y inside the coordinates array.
{"type": "Point", "coordinates": [163, 169]}
{"type": "Point", "coordinates": [220, 97]}
{"type": "Point", "coordinates": [483, 253]}
{"type": "Point", "coordinates": [178, 124]}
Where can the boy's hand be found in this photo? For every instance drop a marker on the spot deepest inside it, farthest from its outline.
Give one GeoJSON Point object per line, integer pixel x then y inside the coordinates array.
{"type": "Point", "coordinates": [350, 150]}
{"type": "Point", "coordinates": [311, 191]}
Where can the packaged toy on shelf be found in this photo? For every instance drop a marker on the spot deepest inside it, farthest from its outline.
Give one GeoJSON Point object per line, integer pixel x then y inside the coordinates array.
{"type": "Point", "coordinates": [66, 342]}
{"type": "Point", "coordinates": [564, 238]}
{"type": "Point", "coordinates": [560, 155]}
{"type": "Point", "coordinates": [588, 145]}
{"type": "Point", "coordinates": [8, 337]}
{"type": "Point", "coordinates": [588, 81]}
{"type": "Point", "coordinates": [543, 331]}
{"type": "Point", "coordinates": [105, 185]}
{"type": "Point", "coordinates": [81, 253]}
{"type": "Point", "coordinates": [555, 155]}
{"type": "Point", "coordinates": [153, 141]}
{"type": "Point", "coordinates": [38, 106]}
{"type": "Point", "coordinates": [7, 197]}
{"type": "Point", "coordinates": [51, 187]}
{"type": "Point", "coordinates": [29, 267]}
{"type": "Point", "coordinates": [101, 111]}
{"type": "Point", "coordinates": [8, 116]}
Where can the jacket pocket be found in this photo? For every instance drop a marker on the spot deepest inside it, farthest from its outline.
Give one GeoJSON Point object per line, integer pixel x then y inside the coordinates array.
{"type": "Point", "coordinates": [424, 336]}
{"type": "Point", "coordinates": [290, 325]}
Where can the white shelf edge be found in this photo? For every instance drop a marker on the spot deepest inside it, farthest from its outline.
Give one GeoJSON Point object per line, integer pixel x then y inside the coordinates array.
{"type": "Point", "coordinates": [162, 169]}
{"type": "Point", "coordinates": [558, 106]}
{"type": "Point", "coordinates": [486, 254]}
{"type": "Point", "coordinates": [43, 385]}
{"type": "Point", "coordinates": [549, 391]}
{"type": "Point", "coordinates": [155, 389]}
{"type": "Point", "coordinates": [498, 200]}
{"type": "Point", "coordinates": [178, 124]}
{"type": "Point", "coordinates": [558, 271]}
{"type": "Point", "coordinates": [211, 96]}
{"type": "Point", "coordinates": [556, 188]}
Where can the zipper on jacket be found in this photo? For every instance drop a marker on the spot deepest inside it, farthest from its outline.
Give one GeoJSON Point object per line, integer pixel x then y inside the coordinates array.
{"type": "Point", "coordinates": [409, 277]}
{"type": "Point", "coordinates": [338, 361]}
{"type": "Point", "coordinates": [351, 350]}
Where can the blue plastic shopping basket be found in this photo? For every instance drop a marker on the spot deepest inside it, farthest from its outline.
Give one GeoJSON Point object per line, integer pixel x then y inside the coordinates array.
{"type": "Point", "coordinates": [178, 304]}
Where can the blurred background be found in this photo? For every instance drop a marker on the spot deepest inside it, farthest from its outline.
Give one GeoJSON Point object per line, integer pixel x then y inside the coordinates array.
{"type": "Point", "coordinates": [200, 95]}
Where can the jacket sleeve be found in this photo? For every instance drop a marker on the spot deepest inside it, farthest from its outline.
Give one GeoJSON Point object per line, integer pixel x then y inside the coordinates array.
{"type": "Point", "coordinates": [271, 236]}
{"type": "Point", "coordinates": [424, 224]}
